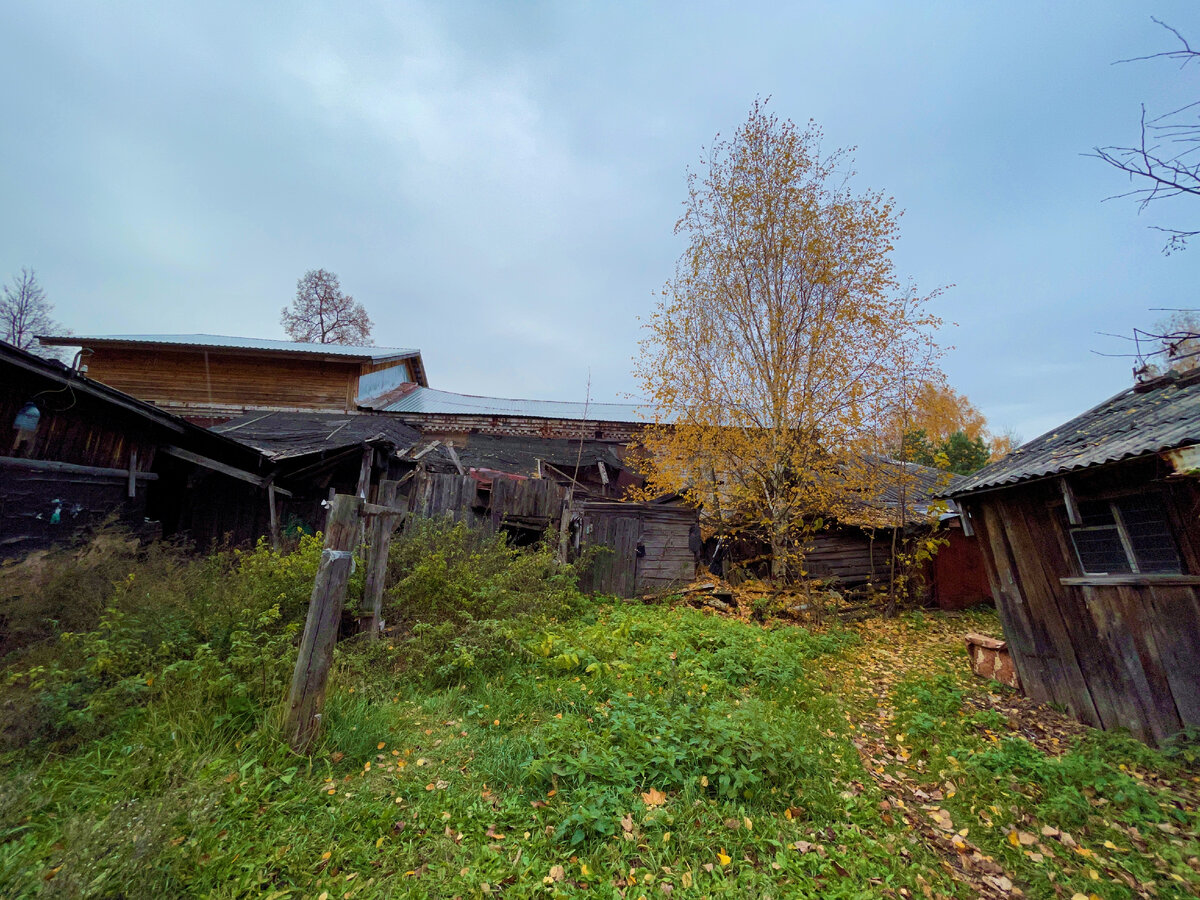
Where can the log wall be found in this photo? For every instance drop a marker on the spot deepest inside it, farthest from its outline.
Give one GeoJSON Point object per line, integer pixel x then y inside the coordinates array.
{"type": "Point", "coordinates": [850, 556]}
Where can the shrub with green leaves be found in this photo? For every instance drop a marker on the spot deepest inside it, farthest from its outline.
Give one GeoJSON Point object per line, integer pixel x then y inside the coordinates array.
{"type": "Point", "coordinates": [172, 625]}
{"type": "Point", "coordinates": [462, 600]}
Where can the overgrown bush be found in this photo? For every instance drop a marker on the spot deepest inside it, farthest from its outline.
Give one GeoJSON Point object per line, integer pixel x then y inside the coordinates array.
{"type": "Point", "coordinates": [218, 629]}
{"type": "Point", "coordinates": [462, 600]}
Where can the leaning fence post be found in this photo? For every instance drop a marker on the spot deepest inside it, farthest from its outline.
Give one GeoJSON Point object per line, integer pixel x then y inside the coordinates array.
{"type": "Point", "coordinates": [381, 530]}
{"type": "Point", "coordinates": [307, 696]}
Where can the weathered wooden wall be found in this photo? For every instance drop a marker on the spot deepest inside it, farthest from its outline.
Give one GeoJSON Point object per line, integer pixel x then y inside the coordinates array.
{"type": "Point", "coordinates": [850, 556]}
{"type": "Point", "coordinates": [81, 431]}
{"type": "Point", "coordinates": [663, 533]}
{"type": "Point", "coordinates": [457, 496]}
{"type": "Point", "coordinates": [177, 379]}
{"type": "Point", "coordinates": [1117, 652]}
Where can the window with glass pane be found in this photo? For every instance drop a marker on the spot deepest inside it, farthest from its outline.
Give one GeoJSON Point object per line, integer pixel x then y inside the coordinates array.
{"type": "Point", "coordinates": [1125, 535]}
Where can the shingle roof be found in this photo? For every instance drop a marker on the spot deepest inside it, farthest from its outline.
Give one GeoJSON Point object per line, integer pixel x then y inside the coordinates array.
{"type": "Point", "coordinates": [375, 354]}
{"type": "Point", "coordinates": [1160, 415]}
{"type": "Point", "coordinates": [423, 400]}
{"type": "Point", "coordinates": [286, 435]}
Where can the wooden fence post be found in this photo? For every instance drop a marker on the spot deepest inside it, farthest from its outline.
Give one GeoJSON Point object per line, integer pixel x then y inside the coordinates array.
{"type": "Point", "coordinates": [381, 530]}
{"type": "Point", "coordinates": [307, 697]}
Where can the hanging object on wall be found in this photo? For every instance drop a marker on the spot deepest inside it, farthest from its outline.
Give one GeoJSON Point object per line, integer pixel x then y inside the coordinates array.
{"type": "Point", "coordinates": [26, 425]}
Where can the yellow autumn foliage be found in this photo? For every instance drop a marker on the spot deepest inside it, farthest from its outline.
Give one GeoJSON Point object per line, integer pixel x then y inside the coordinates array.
{"type": "Point", "coordinates": [784, 343]}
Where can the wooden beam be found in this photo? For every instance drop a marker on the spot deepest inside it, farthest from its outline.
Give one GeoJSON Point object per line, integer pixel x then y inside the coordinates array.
{"type": "Point", "coordinates": [382, 526]}
{"type": "Point", "coordinates": [454, 459]}
{"type": "Point", "coordinates": [1072, 506]}
{"type": "Point", "coordinates": [275, 536]}
{"type": "Point", "coordinates": [232, 471]}
{"type": "Point", "coordinates": [132, 487]}
{"type": "Point", "coordinates": [430, 448]}
{"type": "Point", "coordinates": [49, 465]}
{"type": "Point", "coordinates": [364, 473]}
{"type": "Point", "coordinates": [603, 471]}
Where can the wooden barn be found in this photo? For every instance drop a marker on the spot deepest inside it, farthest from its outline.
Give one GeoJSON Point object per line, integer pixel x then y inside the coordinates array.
{"type": "Point", "coordinates": [1092, 545]}
{"type": "Point", "coordinates": [77, 452]}
{"type": "Point", "coordinates": [210, 378]}
{"type": "Point", "coordinates": [855, 553]}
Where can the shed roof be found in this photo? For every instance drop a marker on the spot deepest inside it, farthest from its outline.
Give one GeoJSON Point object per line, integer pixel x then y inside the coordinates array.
{"type": "Point", "coordinates": [287, 435]}
{"type": "Point", "coordinates": [228, 342]}
{"type": "Point", "coordinates": [424, 400]}
{"type": "Point", "coordinates": [1159, 415]}
{"type": "Point", "coordinates": [518, 454]}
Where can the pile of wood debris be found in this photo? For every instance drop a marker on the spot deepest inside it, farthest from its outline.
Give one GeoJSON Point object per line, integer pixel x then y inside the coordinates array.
{"type": "Point", "coordinates": [809, 602]}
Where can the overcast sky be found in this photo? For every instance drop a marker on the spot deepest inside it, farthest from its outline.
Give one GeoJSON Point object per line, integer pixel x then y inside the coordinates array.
{"type": "Point", "coordinates": [498, 182]}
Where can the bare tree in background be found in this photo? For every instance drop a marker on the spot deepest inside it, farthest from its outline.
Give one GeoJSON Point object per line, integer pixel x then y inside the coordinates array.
{"type": "Point", "coordinates": [25, 312]}
{"type": "Point", "coordinates": [1166, 161]}
{"type": "Point", "coordinates": [322, 314]}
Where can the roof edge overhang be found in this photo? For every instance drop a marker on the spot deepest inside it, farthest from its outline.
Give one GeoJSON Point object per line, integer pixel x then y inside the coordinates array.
{"type": "Point", "coordinates": [970, 494]}
{"type": "Point", "coordinates": [69, 340]}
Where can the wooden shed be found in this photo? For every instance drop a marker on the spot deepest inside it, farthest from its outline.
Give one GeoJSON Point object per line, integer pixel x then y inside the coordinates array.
{"type": "Point", "coordinates": [209, 378]}
{"type": "Point", "coordinates": [646, 547]}
{"type": "Point", "coordinates": [1092, 547]}
{"type": "Point", "coordinates": [77, 451]}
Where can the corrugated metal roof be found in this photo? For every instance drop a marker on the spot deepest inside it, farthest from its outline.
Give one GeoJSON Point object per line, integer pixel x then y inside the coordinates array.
{"type": "Point", "coordinates": [1152, 417]}
{"type": "Point", "coordinates": [227, 341]}
{"type": "Point", "coordinates": [425, 400]}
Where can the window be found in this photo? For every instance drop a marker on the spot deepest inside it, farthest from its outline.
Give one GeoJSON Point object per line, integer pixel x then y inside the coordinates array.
{"type": "Point", "coordinates": [1125, 535]}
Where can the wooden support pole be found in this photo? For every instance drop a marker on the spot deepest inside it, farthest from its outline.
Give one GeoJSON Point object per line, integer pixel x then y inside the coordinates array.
{"type": "Point", "coordinates": [1069, 502]}
{"type": "Point", "coordinates": [364, 473]}
{"type": "Point", "coordinates": [132, 487]}
{"type": "Point", "coordinates": [381, 529]}
{"type": "Point", "coordinates": [306, 699]}
{"type": "Point", "coordinates": [276, 540]}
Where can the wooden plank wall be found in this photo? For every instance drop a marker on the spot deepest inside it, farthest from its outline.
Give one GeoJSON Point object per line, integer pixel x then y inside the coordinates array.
{"type": "Point", "coordinates": [668, 560]}
{"type": "Point", "coordinates": [850, 556]}
{"type": "Point", "coordinates": [167, 377]}
{"type": "Point", "coordinates": [614, 560]}
{"type": "Point", "coordinates": [661, 530]}
{"type": "Point", "coordinates": [30, 499]}
{"type": "Point", "coordinates": [433, 495]}
{"type": "Point", "coordinates": [1116, 656]}
{"type": "Point", "coordinates": [74, 427]}
{"type": "Point", "coordinates": [532, 502]}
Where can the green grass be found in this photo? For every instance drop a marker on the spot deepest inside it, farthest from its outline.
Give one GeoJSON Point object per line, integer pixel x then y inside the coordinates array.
{"type": "Point", "coordinates": [552, 746]}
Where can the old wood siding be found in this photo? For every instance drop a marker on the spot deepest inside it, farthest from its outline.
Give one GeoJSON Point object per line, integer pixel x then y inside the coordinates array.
{"type": "Point", "coordinates": [1115, 655]}
{"type": "Point", "coordinates": [849, 556]}
{"type": "Point", "coordinates": [176, 379]}
{"type": "Point", "coordinates": [662, 531]}
{"type": "Point", "coordinates": [40, 507]}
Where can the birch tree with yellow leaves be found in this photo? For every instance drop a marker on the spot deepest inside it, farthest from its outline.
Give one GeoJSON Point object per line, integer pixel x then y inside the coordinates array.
{"type": "Point", "coordinates": [783, 338]}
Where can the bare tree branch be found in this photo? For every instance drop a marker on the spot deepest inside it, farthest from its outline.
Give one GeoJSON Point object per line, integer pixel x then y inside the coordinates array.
{"type": "Point", "coordinates": [1165, 154]}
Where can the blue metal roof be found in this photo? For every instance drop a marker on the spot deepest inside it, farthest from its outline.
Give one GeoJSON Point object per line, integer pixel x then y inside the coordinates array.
{"type": "Point", "coordinates": [209, 341]}
{"type": "Point", "coordinates": [423, 400]}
